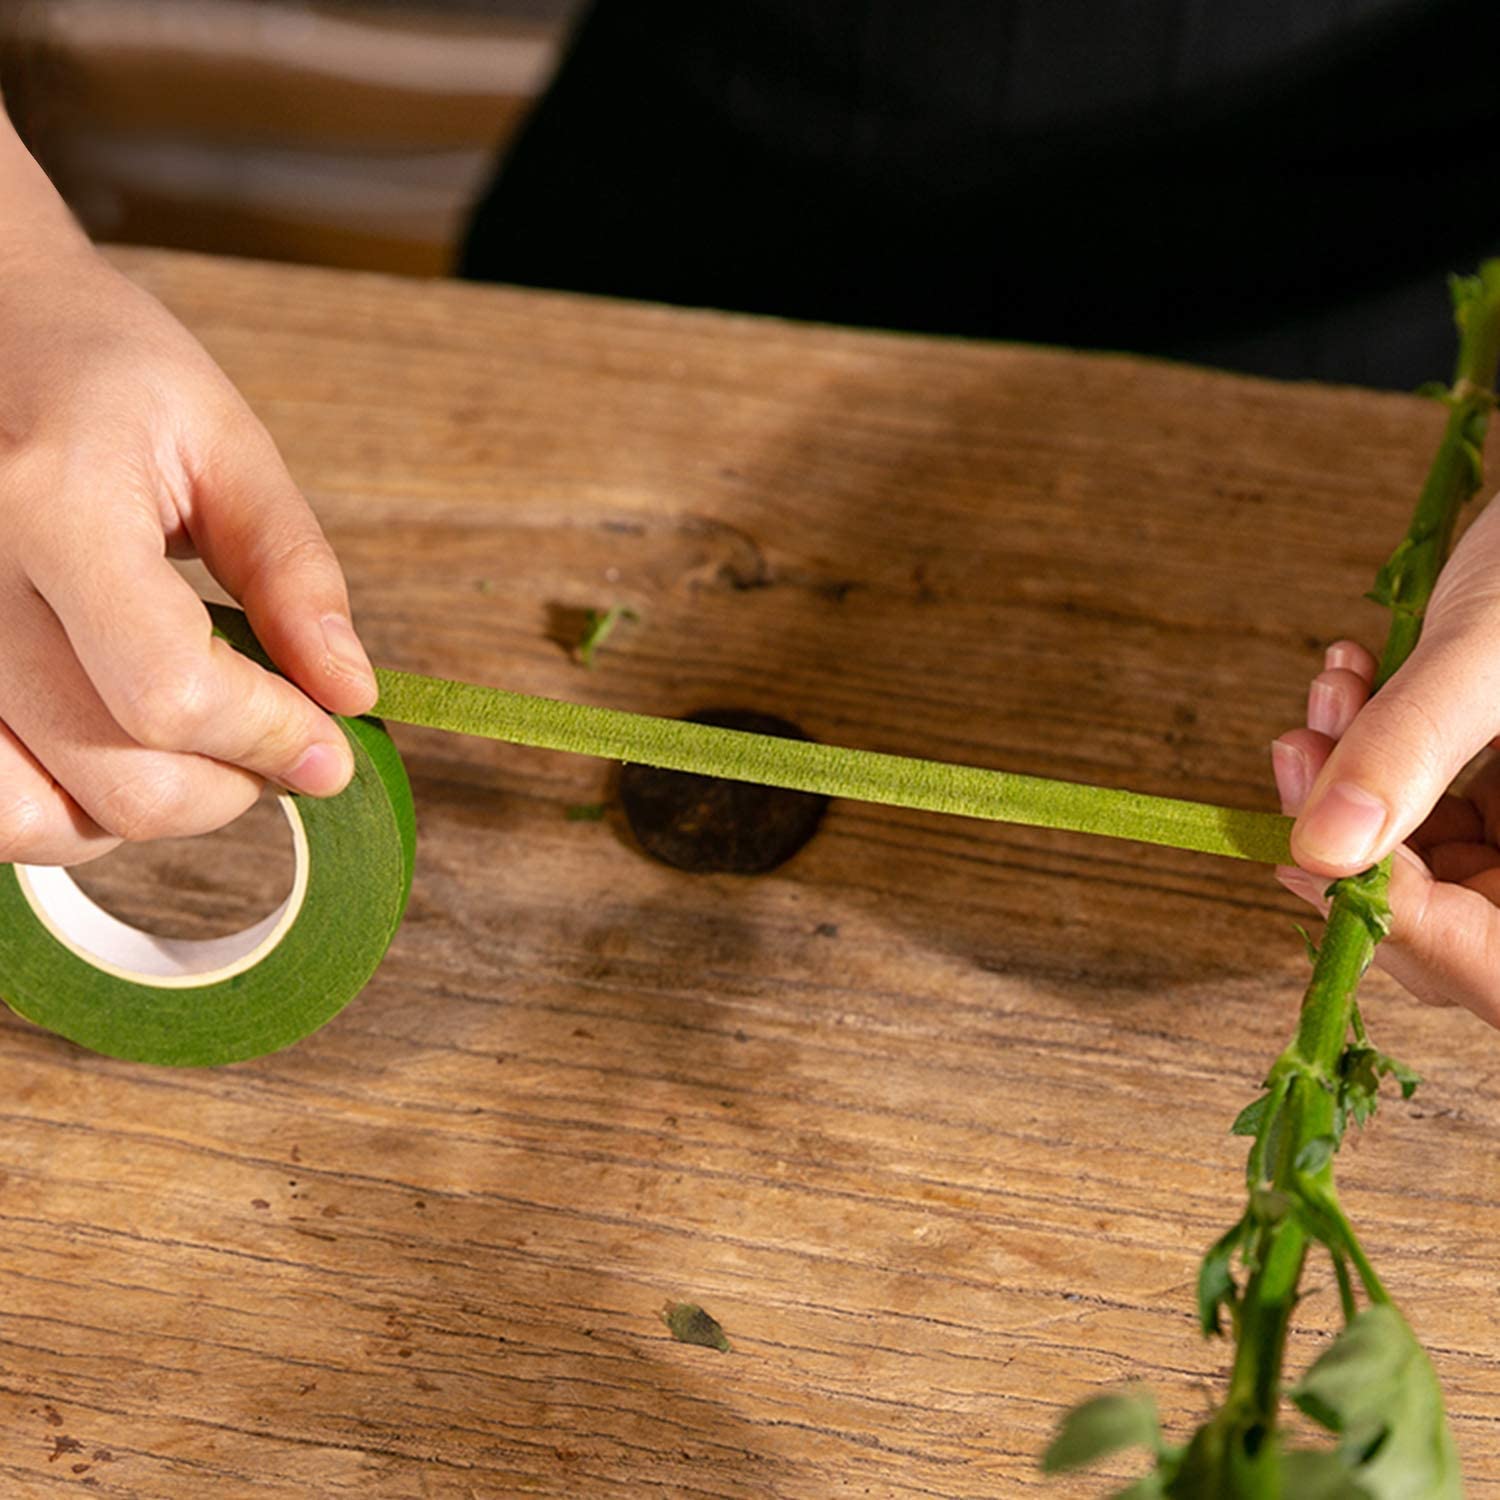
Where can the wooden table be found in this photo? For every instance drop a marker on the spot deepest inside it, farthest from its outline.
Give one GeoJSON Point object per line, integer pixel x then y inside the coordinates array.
{"type": "Point", "coordinates": [932, 1120]}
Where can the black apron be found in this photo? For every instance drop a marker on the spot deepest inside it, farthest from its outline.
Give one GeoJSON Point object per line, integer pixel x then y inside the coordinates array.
{"type": "Point", "coordinates": [1278, 186]}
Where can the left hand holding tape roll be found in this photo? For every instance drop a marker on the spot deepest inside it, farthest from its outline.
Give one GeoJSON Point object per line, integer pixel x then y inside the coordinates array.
{"type": "Point", "coordinates": [75, 969]}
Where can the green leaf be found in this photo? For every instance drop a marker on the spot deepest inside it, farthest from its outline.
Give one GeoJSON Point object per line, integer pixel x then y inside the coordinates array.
{"type": "Point", "coordinates": [1268, 1116]}
{"type": "Point", "coordinates": [1216, 1286]}
{"type": "Point", "coordinates": [1360, 1070]}
{"type": "Point", "coordinates": [1307, 1474]}
{"type": "Point", "coordinates": [1408, 1078]}
{"type": "Point", "coordinates": [1376, 1389]}
{"type": "Point", "coordinates": [1388, 581]}
{"type": "Point", "coordinates": [1316, 1154]}
{"type": "Point", "coordinates": [1148, 1488]}
{"type": "Point", "coordinates": [1247, 1122]}
{"type": "Point", "coordinates": [598, 626]}
{"type": "Point", "coordinates": [1121, 1419]}
{"type": "Point", "coordinates": [689, 1324]}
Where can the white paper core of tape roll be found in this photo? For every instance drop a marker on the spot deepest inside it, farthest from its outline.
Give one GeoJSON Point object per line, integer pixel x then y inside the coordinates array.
{"type": "Point", "coordinates": [103, 941]}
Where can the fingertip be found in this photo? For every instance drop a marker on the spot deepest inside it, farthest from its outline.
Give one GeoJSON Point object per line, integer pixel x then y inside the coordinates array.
{"type": "Point", "coordinates": [346, 666]}
{"type": "Point", "coordinates": [1293, 772]}
{"type": "Point", "coordinates": [1350, 656]}
{"type": "Point", "coordinates": [1296, 759]}
{"type": "Point", "coordinates": [1333, 699]}
{"type": "Point", "coordinates": [1345, 830]}
{"type": "Point", "coordinates": [324, 770]}
{"type": "Point", "coordinates": [322, 656]}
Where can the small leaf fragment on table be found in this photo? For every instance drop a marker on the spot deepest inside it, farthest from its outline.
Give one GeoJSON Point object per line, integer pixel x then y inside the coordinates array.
{"type": "Point", "coordinates": [598, 626]}
{"type": "Point", "coordinates": [689, 1324]}
{"type": "Point", "coordinates": [586, 812]}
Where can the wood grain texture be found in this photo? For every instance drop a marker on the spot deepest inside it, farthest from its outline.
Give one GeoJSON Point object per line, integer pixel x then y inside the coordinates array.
{"type": "Point", "coordinates": [932, 1120]}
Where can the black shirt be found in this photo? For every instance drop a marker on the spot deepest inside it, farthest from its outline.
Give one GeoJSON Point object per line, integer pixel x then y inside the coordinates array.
{"type": "Point", "coordinates": [1272, 185]}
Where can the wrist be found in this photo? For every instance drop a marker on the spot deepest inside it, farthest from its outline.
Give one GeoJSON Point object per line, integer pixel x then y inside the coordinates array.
{"type": "Point", "coordinates": [35, 223]}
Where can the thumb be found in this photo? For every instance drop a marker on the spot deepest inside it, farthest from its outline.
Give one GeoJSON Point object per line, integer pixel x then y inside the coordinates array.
{"type": "Point", "coordinates": [1402, 751]}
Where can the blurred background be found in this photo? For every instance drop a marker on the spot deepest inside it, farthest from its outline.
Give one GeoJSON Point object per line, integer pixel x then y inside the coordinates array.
{"type": "Point", "coordinates": [1274, 186]}
{"type": "Point", "coordinates": [344, 132]}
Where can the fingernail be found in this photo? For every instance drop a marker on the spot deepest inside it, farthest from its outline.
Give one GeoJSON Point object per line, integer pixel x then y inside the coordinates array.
{"type": "Point", "coordinates": [1323, 708]}
{"type": "Point", "coordinates": [1293, 775]}
{"type": "Point", "coordinates": [1301, 884]}
{"type": "Point", "coordinates": [1342, 827]}
{"type": "Point", "coordinates": [323, 770]}
{"type": "Point", "coordinates": [348, 655]}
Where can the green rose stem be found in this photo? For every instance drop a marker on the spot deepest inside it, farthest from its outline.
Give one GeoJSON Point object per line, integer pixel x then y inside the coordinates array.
{"type": "Point", "coordinates": [1306, 1077]}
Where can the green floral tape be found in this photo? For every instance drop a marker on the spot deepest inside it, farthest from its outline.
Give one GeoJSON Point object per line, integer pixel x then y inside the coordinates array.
{"type": "Point", "coordinates": [73, 968]}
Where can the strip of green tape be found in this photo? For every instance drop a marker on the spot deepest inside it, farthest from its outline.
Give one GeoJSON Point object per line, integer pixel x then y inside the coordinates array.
{"type": "Point", "coordinates": [361, 848]}
{"type": "Point", "coordinates": [804, 766]}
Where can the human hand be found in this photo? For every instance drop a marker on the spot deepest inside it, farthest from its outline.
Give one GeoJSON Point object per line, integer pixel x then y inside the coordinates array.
{"type": "Point", "coordinates": [1369, 776]}
{"type": "Point", "coordinates": [121, 444]}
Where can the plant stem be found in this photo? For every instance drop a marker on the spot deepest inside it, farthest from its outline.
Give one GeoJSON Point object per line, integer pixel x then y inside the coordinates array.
{"type": "Point", "coordinates": [1328, 1008]}
{"type": "Point", "coordinates": [1407, 581]}
{"type": "Point", "coordinates": [1308, 1067]}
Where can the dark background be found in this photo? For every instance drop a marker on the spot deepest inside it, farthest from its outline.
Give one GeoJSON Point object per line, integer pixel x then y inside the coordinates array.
{"type": "Point", "coordinates": [1279, 186]}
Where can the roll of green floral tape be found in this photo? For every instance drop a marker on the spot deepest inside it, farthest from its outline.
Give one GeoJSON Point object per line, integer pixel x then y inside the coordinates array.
{"type": "Point", "coordinates": [71, 967]}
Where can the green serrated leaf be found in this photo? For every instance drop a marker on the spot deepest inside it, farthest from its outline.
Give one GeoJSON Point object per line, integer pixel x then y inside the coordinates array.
{"type": "Point", "coordinates": [1408, 1078]}
{"type": "Point", "coordinates": [1097, 1428]}
{"type": "Point", "coordinates": [1376, 1389]}
{"type": "Point", "coordinates": [1216, 1288]}
{"type": "Point", "coordinates": [1248, 1121]}
{"type": "Point", "coordinates": [1360, 1070]}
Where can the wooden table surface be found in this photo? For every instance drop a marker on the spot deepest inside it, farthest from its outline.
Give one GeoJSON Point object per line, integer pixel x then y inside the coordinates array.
{"type": "Point", "coordinates": [932, 1120]}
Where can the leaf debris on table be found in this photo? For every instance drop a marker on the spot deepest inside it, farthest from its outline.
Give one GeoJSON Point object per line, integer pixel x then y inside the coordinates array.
{"type": "Point", "coordinates": [689, 1324]}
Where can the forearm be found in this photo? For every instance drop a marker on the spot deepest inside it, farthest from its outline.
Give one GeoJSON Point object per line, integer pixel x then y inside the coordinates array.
{"type": "Point", "coordinates": [34, 221]}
